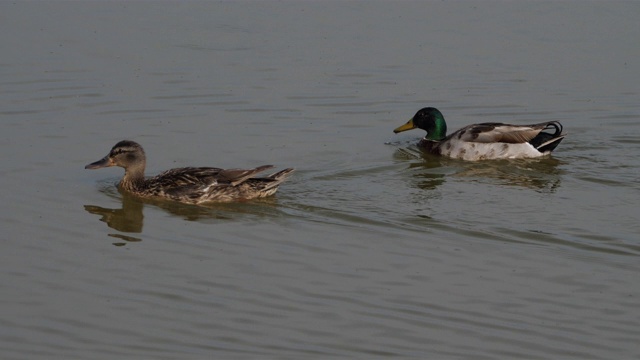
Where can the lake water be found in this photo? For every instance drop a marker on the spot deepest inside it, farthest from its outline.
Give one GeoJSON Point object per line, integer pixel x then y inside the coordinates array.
{"type": "Point", "coordinates": [371, 249]}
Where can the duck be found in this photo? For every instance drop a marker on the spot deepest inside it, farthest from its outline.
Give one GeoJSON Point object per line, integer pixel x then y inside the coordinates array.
{"type": "Point", "coordinates": [192, 185]}
{"type": "Point", "coordinates": [484, 141]}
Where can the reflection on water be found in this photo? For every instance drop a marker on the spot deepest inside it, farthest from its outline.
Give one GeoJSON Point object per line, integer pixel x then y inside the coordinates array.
{"type": "Point", "coordinates": [542, 174]}
{"type": "Point", "coordinates": [186, 211]}
{"type": "Point", "coordinates": [125, 238]}
{"type": "Point", "coordinates": [129, 218]}
{"type": "Point", "coordinates": [428, 169]}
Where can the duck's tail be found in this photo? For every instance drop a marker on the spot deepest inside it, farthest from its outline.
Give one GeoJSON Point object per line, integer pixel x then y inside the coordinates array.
{"type": "Point", "coordinates": [546, 142]}
{"type": "Point", "coordinates": [265, 186]}
{"type": "Point", "coordinates": [278, 177]}
{"type": "Point", "coordinates": [550, 145]}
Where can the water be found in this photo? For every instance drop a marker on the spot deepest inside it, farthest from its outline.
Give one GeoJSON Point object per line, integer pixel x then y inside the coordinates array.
{"type": "Point", "coordinates": [371, 249]}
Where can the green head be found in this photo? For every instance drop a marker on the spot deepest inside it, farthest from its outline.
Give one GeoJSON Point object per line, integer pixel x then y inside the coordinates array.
{"type": "Point", "coordinates": [428, 119]}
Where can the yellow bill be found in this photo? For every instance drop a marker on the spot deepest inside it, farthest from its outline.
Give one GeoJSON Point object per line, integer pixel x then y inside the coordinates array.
{"type": "Point", "coordinates": [408, 126]}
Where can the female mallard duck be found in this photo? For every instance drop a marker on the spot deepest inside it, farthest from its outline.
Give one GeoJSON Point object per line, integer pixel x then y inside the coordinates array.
{"type": "Point", "coordinates": [193, 185]}
{"type": "Point", "coordinates": [486, 140]}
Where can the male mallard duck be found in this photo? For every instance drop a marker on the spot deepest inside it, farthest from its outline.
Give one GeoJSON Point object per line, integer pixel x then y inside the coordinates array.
{"type": "Point", "coordinates": [486, 140]}
{"type": "Point", "coordinates": [194, 185]}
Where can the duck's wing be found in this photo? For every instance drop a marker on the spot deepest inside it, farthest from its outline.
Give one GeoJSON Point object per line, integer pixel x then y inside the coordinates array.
{"type": "Point", "coordinates": [504, 133]}
{"type": "Point", "coordinates": [186, 193]}
{"type": "Point", "coordinates": [193, 184]}
{"type": "Point", "coordinates": [187, 176]}
{"type": "Point", "coordinates": [238, 176]}
{"type": "Point", "coordinates": [271, 181]}
{"type": "Point", "coordinates": [205, 176]}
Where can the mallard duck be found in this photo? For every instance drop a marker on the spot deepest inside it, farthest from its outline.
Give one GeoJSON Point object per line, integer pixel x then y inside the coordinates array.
{"type": "Point", "coordinates": [486, 140]}
{"type": "Point", "coordinates": [193, 185]}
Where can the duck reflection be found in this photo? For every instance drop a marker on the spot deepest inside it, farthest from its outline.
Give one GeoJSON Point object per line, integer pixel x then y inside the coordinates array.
{"type": "Point", "coordinates": [428, 180]}
{"type": "Point", "coordinates": [542, 175]}
{"type": "Point", "coordinates": [428, 170]}
{"type": "Point", "coordinates": [128, 218]}
{"type": "Point", "coordinates": [125, 238]}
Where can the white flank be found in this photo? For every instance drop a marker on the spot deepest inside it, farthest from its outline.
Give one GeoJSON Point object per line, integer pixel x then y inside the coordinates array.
{"type": "Point", "coordinates": [472, 151]}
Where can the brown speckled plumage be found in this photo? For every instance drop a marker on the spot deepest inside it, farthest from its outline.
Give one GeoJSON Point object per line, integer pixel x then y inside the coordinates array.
{"type": "Point", "coordinates": [194, 185]}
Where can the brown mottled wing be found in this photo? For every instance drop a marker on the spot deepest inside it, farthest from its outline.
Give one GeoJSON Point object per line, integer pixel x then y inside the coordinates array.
{"type": "Point", "coordinates": [497, 132]}
{"type": "Point", "coordinates": [188, 176]}
{"type": "Point", "coordinates": [192, 192]}
{"type": "Point", "coordinates": [185, 183]}
{"type": "Point", "coordinates": [238, 176]}
{"type": "Point", "coordinates": [196, 182]}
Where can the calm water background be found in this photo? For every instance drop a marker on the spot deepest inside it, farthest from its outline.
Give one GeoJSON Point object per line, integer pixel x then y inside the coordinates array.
{"type": "Point", "coordinates": [371, 249]}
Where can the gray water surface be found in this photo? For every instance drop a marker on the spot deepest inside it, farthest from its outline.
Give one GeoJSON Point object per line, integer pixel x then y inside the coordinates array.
{"type": "Point", "coordinates": [372, 249]}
